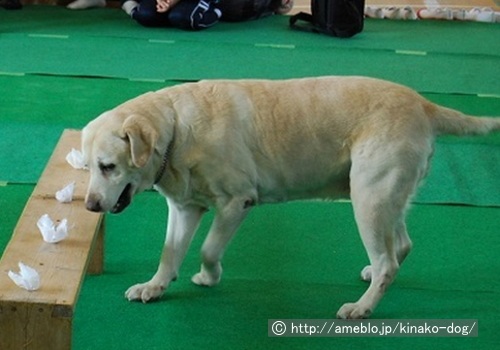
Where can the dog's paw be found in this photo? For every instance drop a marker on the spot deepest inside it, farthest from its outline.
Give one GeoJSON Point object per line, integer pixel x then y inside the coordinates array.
{"type": "Point", "coordinates": [353, 311]}
{"type": "Point", "coordinates": [366, 273]}
{"type": "Point", "coordinates": [144, 292]}
{"type": "Point", "coordinates": [208, 277]}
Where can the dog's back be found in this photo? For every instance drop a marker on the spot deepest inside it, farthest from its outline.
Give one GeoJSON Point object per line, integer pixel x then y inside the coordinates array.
{"type": "Point", "coordinates": [296, 137]}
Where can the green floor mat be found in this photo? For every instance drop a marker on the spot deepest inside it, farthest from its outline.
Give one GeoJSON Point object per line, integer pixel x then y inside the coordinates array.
{"type": "Point", "coordinates": [70, 102]}
{"type": "Point", "coordinates": [420, 36]}
{"type": "Point", "coordinates": [464, 174]}
{"type": "Point", "coordinates": [85, 57]}
{"type": "Point", "coordinates": [296, 260]}
{"type": "Point", "coordinates": [12, 201]}
{"type": "Point", "coordinates": [36, 109]}
{"type": "Point", "coordinates": [393, 50]}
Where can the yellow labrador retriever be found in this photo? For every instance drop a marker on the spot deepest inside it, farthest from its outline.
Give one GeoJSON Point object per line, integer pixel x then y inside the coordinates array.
{"type": "Point", "coordinates": [234, 144]}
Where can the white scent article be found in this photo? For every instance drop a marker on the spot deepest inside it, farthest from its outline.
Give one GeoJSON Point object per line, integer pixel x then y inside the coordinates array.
{"type": "Point", "coordinates": [50, 232]}
{"type": "Point", "coordinates": [65, 195]}
{"type": "Point", "coordinates": [75, 159]}
{"type": "Point", "coordinates": [27, 277]}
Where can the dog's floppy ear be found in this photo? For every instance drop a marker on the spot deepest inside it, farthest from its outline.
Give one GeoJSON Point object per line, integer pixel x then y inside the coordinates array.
{"type": "Point", "coordinates": [142, 138]}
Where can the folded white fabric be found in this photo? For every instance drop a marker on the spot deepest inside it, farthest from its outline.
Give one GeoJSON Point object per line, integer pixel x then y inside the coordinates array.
{"type": "Point", "coordinates": [27, 278]}
{"type": "Point", "coordinates": [75, 159]}
{"type": "Point", "coordinates": [65, 195]}
{"type": "Point", "coordinates": [49, 231]}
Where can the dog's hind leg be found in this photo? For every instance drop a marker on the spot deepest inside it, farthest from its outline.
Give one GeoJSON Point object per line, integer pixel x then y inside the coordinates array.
{"type": "Point", "coordinates": [382, 182]}
{"type": "Point", "coordinates": [376, 229]}
{"type": "Point", "coordinates": [227, 219]}
{"type": "Point", "coordinates": [402, 247]}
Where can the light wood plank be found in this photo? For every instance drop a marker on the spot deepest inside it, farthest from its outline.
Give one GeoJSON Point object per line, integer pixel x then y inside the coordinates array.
{"type": "Point", "coordinates": [42, 319]}
{"type": "Point", "coordinates": [58, 173]}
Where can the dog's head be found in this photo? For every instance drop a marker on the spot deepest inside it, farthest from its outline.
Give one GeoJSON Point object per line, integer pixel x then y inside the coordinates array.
{"type": "Point", "coordinates": [123, 152]}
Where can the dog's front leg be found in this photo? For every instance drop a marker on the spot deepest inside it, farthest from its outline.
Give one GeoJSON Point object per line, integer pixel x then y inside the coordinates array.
{"type": "Point", "coordinates": [227, 220]}
{"type": "Point", "coordinates": [182, 224]}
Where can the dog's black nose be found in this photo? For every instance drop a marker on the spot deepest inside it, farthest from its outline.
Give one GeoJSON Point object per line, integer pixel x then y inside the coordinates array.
{"type": "Point", "coordinates": [93, 204]}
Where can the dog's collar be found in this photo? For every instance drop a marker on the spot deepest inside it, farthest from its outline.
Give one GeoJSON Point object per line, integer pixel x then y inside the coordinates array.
{"type": "Point", "coordinates": [164, 163]}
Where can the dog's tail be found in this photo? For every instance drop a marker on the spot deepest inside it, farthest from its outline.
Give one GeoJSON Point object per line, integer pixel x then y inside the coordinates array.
{"type": "Point", "coordinates": [447, 121]}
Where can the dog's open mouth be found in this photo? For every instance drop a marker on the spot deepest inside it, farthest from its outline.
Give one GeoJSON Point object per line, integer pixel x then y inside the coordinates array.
{"type": "Point", "coordinates": [124, 200]}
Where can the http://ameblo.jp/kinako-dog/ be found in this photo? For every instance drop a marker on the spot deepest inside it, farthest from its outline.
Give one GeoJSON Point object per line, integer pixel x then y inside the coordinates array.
{"type": "Point", "coordinates": [234, 144]}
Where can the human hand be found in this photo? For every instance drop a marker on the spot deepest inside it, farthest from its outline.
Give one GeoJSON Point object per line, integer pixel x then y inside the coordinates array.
{"type": "Point", "coordinates": [162, 5]}
{"type": "Point", "coordinates": [165, 5]}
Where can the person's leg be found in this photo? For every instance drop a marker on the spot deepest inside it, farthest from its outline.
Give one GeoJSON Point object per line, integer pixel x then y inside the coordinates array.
{"type": "Point", "coordinates": [145, 13]}
{"type": "Point", "coordinates": [243, 10]}
{"type": "Point", "coordinates": [194, 14]}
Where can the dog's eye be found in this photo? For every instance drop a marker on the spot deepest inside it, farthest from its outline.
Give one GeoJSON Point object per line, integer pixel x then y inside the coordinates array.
{"type": "Point", "coordinates": [106, 168]}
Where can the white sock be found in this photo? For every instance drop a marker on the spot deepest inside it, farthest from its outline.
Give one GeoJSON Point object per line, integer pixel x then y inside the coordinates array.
{"type": "Point", "coordinates": [85, 4]}
{"type": "Point", "coordinates": [128, 6]}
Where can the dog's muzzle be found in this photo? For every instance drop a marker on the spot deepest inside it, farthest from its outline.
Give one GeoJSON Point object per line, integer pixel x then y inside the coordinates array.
{"type": "Point", "coordinates": [94, 201]}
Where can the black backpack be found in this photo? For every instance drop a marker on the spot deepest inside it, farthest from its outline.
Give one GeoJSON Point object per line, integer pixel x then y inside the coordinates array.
{"type": "Point", "coordinates": [340, 18]}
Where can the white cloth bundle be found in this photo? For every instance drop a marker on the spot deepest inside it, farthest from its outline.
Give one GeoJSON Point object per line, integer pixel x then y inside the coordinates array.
{"type": "Point", "coordinates": [51, 233]}
{"type": "Point", "coordinates": [27, 277]}
{"type": "Point", "coordinates": [65, 195]}
{"type": "Point", "coordinates": [75, 159]}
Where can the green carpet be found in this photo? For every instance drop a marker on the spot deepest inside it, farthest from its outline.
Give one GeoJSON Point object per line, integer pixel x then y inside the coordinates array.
{"type": "Point", "coordinates": [59, 69]}
{"type": "Point", "coordinates": [429, 36]}
{"type": "Point", "coordinates": [291, 261]}
{"type": "Point", "coordinates": [295, 260]}
{"type": "Point", "coordinates": [87, 55]}
{"type": "Point", "coordinates": [69, 43]}
{"type": "Point", "coordinates": [50, 105]}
